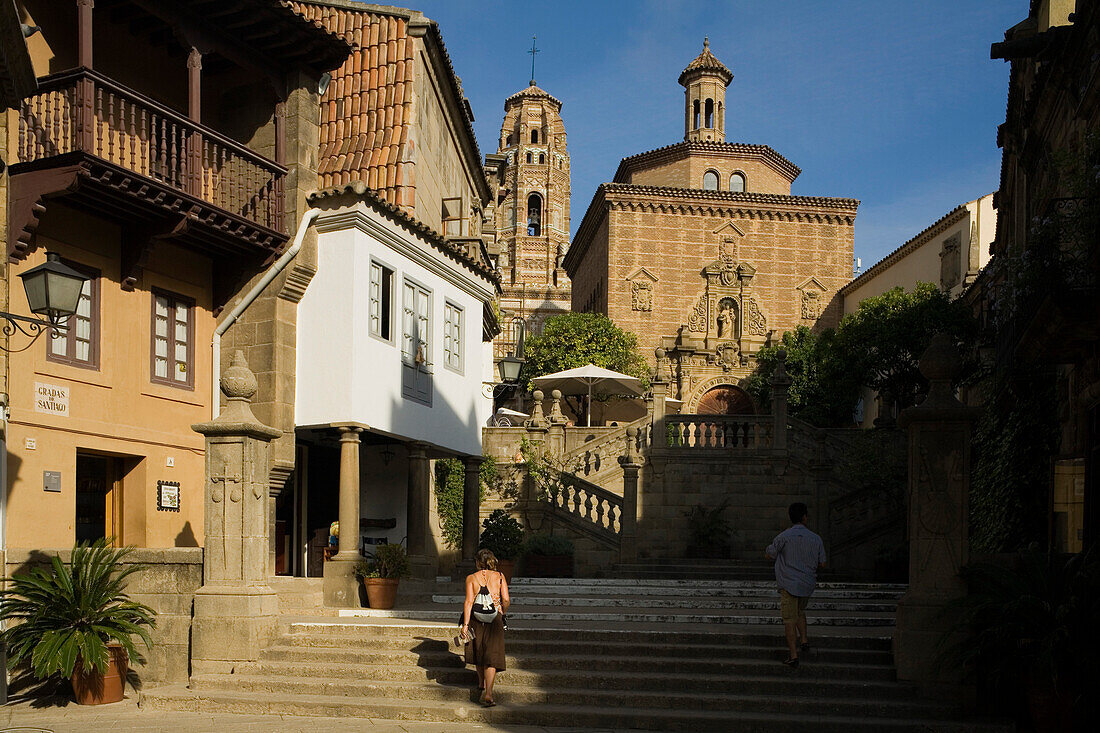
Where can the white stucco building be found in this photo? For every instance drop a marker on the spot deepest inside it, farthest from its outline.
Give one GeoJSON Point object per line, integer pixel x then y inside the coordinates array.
{"type": "Point", "coordinates": [394, 356]}
{"type": "Point", "coordinates": [949, 253]}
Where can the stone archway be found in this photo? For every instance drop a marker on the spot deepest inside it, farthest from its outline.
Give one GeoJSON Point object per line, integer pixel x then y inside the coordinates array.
{"type": "Point", "coordinates": [725, 399]}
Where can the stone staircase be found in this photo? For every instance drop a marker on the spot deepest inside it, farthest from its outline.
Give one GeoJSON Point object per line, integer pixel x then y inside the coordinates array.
{"type": "Point", "coordinates": [621, 654]}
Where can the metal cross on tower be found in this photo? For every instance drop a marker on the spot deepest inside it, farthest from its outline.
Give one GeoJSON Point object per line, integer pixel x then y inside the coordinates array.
{"type": "Point", "coordinates": [533, 51]}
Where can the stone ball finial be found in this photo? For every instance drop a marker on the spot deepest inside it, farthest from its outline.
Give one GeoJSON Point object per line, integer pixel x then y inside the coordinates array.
{"type": "Point", "coordinates": [538, 395]}
{"type": "Point", "coordinates": [659, 353]}
{"type": "Point", "coordinates": [941, 360]}
{"type": "Point", "coordinates": [238, 382]}
{"type": "Point", "coordinates": [632, 431]}
{"type": "Point", "coordinates": [555, 395]}
{"type": "Point", "coordinates": [781, 355]}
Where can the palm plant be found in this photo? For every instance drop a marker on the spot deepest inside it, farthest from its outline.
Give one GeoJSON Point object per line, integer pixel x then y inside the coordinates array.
{"type": "Point", "coordinates": [65, 615]}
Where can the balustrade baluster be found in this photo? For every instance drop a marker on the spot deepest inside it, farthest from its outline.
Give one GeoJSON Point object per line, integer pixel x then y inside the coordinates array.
{"type": "Point", "coordinates": [576, 501]}
{"type": "Point", "coordinates": [37, 116]}
{"type": "Point", "coordinates": [111, 127]}
{"type": "Point", "coordinates": [614, 516]}
{"type": "Point", "coordinates": [600, 512]}
{"type": "Point", "coordinates": [131, 132]}
{"type": "Point", "coordinates": [24, 155]}
{"type": "Point", "coordinates": [97, 123]}
{"type": "Point", "coordinates": [745, 434]}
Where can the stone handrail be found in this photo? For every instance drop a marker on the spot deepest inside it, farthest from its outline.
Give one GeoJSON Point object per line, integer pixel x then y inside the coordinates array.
{"type": "Point", "coordinates": [593, 510]}
{"type": "Point", "coordinates": [718, 432]}
{"type": "Point", "coordinates": [602, 454]}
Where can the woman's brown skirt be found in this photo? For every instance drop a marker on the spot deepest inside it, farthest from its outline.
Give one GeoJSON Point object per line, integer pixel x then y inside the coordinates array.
{"type": "Point", "coordinates": [487, 648]}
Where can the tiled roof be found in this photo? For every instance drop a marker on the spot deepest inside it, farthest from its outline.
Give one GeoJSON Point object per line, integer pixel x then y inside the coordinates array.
{"type": "Point", "coordinates": [478, 264]}
{"type": "Point", "coordinates": [676, 150]}
{"type": "Point", "coordinates": [367, 108]}
{"type": "Point", "coordinates": [706, 61]}
{"type": "Point", "coordinates": [532, 91]}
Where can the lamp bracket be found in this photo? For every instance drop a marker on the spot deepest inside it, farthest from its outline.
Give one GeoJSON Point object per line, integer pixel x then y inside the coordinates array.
{"type": "Point", "coordinates": [32, 327]}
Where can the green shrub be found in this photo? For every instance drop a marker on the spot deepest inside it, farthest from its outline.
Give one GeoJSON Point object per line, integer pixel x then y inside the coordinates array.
{"type": "Point", "coordinates": [65, 614]}
{"type": "Point", "coordinates": [547, 544]}
{"type": "Point", "coordinates": [502, 534]}
{"type": "Point", "coordinates": [387, 561]}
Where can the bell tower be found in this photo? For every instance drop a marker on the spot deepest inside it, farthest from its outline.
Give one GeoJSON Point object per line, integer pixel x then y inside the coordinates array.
{"type": "Point", "coordinates": [705, 80]}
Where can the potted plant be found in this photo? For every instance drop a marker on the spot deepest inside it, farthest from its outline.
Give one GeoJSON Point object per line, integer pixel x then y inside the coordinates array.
{"type": "Point", "coordinates": [548, 556]}
{"type": "Point", "coordinates": [504, 536]}
{"type": "Point", "coordinates": [77, 621]}
{"type": "Point", "coordinates": [380, 574]}
{"type": "Point", "coordinates": [708, 531]}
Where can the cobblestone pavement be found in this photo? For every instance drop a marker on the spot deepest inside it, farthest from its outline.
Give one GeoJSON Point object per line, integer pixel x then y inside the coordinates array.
{"type": "Point", "coordinates": [24, 717]}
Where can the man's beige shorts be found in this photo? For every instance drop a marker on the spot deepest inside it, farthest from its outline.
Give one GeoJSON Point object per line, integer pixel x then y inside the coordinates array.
{"type": "Point", "coordinates": [792, 608]}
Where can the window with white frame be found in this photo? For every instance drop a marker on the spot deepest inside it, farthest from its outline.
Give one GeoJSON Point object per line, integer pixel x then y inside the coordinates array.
{"type": "Point", "coordinates": [78, 345]}
{"type": "Point", "coordinates": [173, 340]}
{"type": "Point", "coordinates": [381, 301]}
{"type": "Point", "coordinates": [416, 363]}
{"type": "Point", "coordinates": [452, 336]}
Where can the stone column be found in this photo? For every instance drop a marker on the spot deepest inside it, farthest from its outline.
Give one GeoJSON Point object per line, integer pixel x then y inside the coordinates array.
{"type": "Point", "coordinates": [471, 507]}
{"type": "Point", "coordinates": [940, 431]}
{"type": "Point", "coordinates": [416, 518]}
{"type": "Point", "coordinates": [235, 609]}
{"type": "Point", "coordinates": [628, 533]}
{"type": "Point", "coordinates": [781, 382]}
{"type": "Point", "coordinates": [341, 587]}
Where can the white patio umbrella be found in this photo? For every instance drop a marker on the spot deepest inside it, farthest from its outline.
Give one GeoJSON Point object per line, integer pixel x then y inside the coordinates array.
{"type": "Point", "coordinates": [587, 379]}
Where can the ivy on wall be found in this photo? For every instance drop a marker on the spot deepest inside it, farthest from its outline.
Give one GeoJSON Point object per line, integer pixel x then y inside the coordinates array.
{"type": "Point", "coordinates": [450, 480]}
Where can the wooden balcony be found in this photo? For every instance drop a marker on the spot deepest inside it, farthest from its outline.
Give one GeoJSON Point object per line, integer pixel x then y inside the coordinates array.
{"type": "Point", "coordinates": [122, 154]}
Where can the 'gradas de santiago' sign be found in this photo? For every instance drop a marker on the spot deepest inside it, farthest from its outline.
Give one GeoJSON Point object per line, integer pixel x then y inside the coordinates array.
{"type": "Point", "coordinates": [52, 399]}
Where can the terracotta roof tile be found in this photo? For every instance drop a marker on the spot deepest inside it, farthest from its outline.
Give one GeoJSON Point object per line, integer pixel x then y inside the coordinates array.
{"type": "Point", "coordinates": [363, 139]}
{"type": "Point", "coordinates": [706, 61]}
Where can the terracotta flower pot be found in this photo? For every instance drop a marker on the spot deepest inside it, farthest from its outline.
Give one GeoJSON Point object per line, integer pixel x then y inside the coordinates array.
{"type": "Point", "coordinates": [507, 567]}
{"type": "Point", "coordinates": [92, 688]}
{"type": "Point", "coordinates": [381, 592]}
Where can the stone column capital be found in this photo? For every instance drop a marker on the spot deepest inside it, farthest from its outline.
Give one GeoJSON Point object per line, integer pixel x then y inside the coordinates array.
{"type": "Point", "coordinates": [417, 450]}
{"type": "Point", "coordinates": [473, 463]}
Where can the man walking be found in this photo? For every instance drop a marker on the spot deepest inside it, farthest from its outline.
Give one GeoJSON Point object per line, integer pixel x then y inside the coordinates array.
{"type": "Point", "coordinates": [798, 555]}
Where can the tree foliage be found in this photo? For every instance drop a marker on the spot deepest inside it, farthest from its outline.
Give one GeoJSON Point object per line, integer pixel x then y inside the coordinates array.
{"type": "Point", "coordinates": [878, 346]}
{"type": "Point", "coordinates": [573, 340]}
{"type": "Point", "coordinates": [450, 481]}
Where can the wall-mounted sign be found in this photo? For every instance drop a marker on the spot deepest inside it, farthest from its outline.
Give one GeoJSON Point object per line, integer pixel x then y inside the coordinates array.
{"type": "Point", "coordinates": [52, 399]}
{"type": "Point", "coordinates": [168, 496]}
{"type": "Point", "coordinates": [51, 481]}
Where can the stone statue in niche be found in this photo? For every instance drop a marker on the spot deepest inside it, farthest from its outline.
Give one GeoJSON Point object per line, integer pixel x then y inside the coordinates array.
{"type": "Point", "coordinates": [727, 318]}
{"type": "Point", "coordinates": [641, 295]}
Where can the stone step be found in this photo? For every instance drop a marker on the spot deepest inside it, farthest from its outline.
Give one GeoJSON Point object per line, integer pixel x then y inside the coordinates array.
{"type": "Point", "coordinates": [733, 697]}
{"type": "Point", "coordinates": [693, 602]}
{"type": "Point", "coordinates": [607, 615]}
{"type": "Point", "coordinates": [361, 630]}
{"type": "Point", "coordinates": [577, 670]}
{"type": "Point", "coordinates": [380, 649]}
{"type": "Point", "coordinates": [704, 589]}
{"type": "Point", "coordinates": [178, 697]}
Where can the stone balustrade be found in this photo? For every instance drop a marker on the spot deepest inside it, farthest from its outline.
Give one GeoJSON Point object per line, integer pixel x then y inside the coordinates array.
{"type": "Point", "coordinates": [718, 432]}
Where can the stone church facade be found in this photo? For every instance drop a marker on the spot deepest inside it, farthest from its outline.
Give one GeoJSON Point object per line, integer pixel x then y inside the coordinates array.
{"type": "Point", "coordinates": [700, 249]}
{"type": "Point", "coordinates": [530, 173]}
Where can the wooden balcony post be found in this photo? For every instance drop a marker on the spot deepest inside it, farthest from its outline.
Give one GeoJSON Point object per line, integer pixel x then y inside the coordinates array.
{"type": "Point", "coordinates": [194, 112]}
{"type": "Point", "coordinates": [84, 32]}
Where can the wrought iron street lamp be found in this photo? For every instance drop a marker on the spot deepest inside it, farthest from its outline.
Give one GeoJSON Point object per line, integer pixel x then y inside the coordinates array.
{"type": "Point", "coordinates": [53, 292]}
{"type": "Point", "coordinates": [509, 367]}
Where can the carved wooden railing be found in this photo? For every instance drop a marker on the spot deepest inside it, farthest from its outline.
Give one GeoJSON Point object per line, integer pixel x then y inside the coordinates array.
{"type": "Point", "coordinates": [590, 509]}
{"type": "Point", "coordinates": [84, 111]}
{"type": "Point", "coordinates": [719, 432]}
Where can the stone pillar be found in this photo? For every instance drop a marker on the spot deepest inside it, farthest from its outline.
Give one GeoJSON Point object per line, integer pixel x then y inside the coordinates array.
{"type": "Point", "coordinates": [940, 431]}
{"type": "Point", "coordinates": [538, 418]}
{"type": "Point", "coordinates": [471, 507]}
{"type": "Point", "coordinates": [235, 609]}
{"type": "Point", "coordinates": [781, 382]}
{"type": "Point", "coordinates": [416, 518]}
{"type": "Point", "coordinates": [555, 432]}
{"type": "Point", "coordinates": [341, 587]}
{"type": "Point", "coordinates": [631, 463]}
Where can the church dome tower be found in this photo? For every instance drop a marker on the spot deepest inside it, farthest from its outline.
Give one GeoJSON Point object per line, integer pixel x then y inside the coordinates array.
{"type": "Point", "coordinates": [705, 80]}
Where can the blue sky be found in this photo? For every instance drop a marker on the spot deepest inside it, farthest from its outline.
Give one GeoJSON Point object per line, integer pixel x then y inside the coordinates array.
{"type": "Point", "coordinates": [892, 102]}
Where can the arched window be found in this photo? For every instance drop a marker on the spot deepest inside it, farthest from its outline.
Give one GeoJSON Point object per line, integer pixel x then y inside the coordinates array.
{"type": "Point", "coordinates": [710, 181]}
{"type": "Point", "coordinates": [534, 215]}
{"type": "Point", "coordinates": [695, 115]}
{"type": "Point", "coordinates": [511, 139]}
{"type": "Point", "coordinates": [737, 182]}
{"type": "Point", "coordinates": [721, 117]}
{"type": "Point", "coordinates": [534, 137]}
{"type": "Point", "coordinates": [528, 157]}
{"type": "Point", "coordinates": [519, 330]}
{"type": "Point", "coordinates": [542, 158]}
{"type": "Point", "coordinates": [709, 113]}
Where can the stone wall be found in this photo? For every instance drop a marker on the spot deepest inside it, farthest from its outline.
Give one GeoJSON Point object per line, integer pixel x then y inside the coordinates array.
{"type": "Point", "coordinates": [167, 585]}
